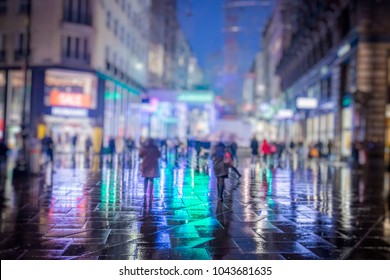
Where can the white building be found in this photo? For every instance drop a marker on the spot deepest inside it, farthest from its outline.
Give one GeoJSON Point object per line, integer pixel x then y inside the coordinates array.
{"type": "Point", "coordinates": [87, 63]}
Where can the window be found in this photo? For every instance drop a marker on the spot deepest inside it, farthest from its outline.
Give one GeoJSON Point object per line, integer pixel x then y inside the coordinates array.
{"type": "Point", "coordinates": [116, 27]}
{"type": "Point", "coordinates": [3, 6]}
{"type": "Point", "coordinates": [20, 46]}
{"type": "Point", "coordinates": [68, 46]}
{"type": "Point", "coordinates": [128, 40]}
{"type": "Point", "coordinates": [86, 50]}
{"type": "Point", "coordinates": [77, 11]}
{"type": "Point", "coordinates": [77, 48]}
{"type": "Point", "coordinates": [108, 19]}
{"type": "Point", "coordinates": [24, 6]}
{"type": "Point", "coordinates": [21, 42]}
{"type": "Point", "coordinates": [3, 39]}
{"type": "Point", "coordinates": [122, 35]}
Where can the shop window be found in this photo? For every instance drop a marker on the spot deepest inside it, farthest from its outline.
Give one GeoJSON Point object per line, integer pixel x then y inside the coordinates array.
{"type": "Point", "coordinates": [2, 100]}
{"type": "Point", "coordinates": [388, 78]}
{"type": "Point", "coordinates": [346, 134]}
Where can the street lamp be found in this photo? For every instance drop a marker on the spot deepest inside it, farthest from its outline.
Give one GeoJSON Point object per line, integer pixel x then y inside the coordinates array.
{"type": "Point", "coordinates": [22, 162]}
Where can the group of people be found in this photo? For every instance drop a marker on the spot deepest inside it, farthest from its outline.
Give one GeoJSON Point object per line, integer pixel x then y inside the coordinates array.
{"type": "Point", "coordinates": [276, 150]}
{"type": "Point", "coordinates": [223, 159]}
{"type": "Point", "coordinates": [266, 149]}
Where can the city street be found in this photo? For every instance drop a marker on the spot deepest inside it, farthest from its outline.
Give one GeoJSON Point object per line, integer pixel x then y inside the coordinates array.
{"type": "Point", "coordinates": [294, 211]}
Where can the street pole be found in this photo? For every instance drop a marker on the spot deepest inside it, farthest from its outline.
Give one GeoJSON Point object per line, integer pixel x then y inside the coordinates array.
{"type": "Point", "coordinates": [22, 163]}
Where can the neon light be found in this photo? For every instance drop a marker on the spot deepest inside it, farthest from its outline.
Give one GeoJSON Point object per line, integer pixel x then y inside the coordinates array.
{"type": "Point", "coordinates": [344, 50]}
{"type": "Point", "coordinates": [307, 103]}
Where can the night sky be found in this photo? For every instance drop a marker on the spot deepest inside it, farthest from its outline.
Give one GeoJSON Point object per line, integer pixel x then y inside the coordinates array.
{"type": "Point", "coordinates": [203, 23]}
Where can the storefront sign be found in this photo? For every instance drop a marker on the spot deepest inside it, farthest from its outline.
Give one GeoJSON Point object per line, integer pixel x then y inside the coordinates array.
{"type": "Point", "coordinates": [69, 99]}
{"type": "Point", "coordinates": [306, 103]}
{"type": "Point", "coordinates": [65, 88]}
{"type": "Point", "coordinates": [284, 114]}
{"type": "Point", "coordinates": [69, 112]}
{"type": "Point", "coordinates": [196, 97]}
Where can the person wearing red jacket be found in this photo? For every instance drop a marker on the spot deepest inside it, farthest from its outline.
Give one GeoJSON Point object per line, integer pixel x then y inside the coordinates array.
{"type": "Point", "coordinates": [265, 149]}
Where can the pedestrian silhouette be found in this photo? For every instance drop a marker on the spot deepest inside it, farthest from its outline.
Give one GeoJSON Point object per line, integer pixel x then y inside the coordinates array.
{"type": "Point", "coordinates": [150, 154]}
{"type": "Point", "coordinates": [221, 170]}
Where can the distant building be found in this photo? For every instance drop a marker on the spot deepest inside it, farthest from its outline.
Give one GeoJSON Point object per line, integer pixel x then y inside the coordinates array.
{"type": "Point", "coordinates": [334, 74]}
{"type": "Point", "coordinates": [163, 33]}
{"type": "Point", "coordinates": [243, 22]}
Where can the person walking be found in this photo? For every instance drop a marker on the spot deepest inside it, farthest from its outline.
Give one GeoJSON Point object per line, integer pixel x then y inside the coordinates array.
{"type": "Point", "coordinates": [229, 161]}
{"type": "Point", "coordinates": [266, 150]}
{"type": "Point", "coordinates": [74, 144]}
{"type": "Point", "coordinates": [3, 156]}
{"type": "Point", "coordinates": [150, 154]}
{"type": "Point", "coordinates": [47, 148]}
{"type": "Point", "coordinates": [88, 146]}
{"type": "Point", "coordinates": [254, 148]}
{"type": "Point", "coordinates": [234, 147]}
{"type": "Point", "coordinates": [221, 170]}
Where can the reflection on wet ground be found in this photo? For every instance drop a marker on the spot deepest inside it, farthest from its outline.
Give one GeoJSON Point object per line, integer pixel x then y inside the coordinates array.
{"type": "Point", "coordinates": [316, 211]}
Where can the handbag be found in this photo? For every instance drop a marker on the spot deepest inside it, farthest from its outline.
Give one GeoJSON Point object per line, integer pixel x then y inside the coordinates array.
{"type": "Point", "coordinates": [227, 159]}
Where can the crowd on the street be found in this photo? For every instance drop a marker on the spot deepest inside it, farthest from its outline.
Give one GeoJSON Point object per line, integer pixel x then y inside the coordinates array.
{"type": "Point", "coordinates": [221, 154]}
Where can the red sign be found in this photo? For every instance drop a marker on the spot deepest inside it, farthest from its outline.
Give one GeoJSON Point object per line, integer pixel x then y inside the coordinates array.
{"type": "Point", "coordinates": [70, 99]}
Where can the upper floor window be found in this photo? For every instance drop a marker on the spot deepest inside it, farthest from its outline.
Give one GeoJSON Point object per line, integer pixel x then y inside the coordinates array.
{"type": "Point", "coordinates": [108, 19]}
{"type": "Point", "coordinates": [75, 48]}
{"type": "Point", "coordinates": [77, 11]}
{"type": "Point", "coordinates": [24, 6]}
{"type": "Point", "coordinates": [3, 6]}
{"type": "Point", "coordinates": [3, 40]}
{"type": "Point", "coordinates": [116, 27]}
{"type": "Point", "coordinates": [21, 41]}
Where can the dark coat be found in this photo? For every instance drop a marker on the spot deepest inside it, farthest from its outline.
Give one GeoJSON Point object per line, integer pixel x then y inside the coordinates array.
{"type": "Point", "coordinates": [220, 168]}
{"type": "Point", "coordinates": [150, 155]}
{"type": "Point", "coordinates": [255, 147]}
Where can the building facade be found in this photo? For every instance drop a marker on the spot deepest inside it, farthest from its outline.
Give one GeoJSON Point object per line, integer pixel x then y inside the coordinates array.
{"type": "Point", "coordinates": [86, 64]}
{"type": "Point", "coordinates": [334, 75]}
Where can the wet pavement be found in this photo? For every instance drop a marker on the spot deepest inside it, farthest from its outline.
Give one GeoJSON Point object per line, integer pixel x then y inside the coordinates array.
{"type": "Point", "coordinates": [304, 211]}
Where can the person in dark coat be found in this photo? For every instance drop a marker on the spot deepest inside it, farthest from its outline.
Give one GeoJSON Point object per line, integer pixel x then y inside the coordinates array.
{"type": "Point", "coordinates": [48, 148]}
{"type": "Point", "coordinates": [149, 153]}
{"type": "Point", "coordinates": [254, 148]}
{"type": "Point", "coordinates": [221, 170]}
{"type": "Point", "coordinates": [3, 154]}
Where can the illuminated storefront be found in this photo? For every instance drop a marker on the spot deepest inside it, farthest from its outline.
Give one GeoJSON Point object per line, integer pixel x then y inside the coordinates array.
{"type": "Point", "coordinates": [15, 92]}
{"type": "Point", "coordinates": [121, 116]}
{"type": "Point", "coordinates": [387, 146]}
{"type": "Point", "coordinates": [69, 107]}
{"type": "Point", "coordinates": [180, 114]}
{"type": "Point", "coordinates": [2, 101]}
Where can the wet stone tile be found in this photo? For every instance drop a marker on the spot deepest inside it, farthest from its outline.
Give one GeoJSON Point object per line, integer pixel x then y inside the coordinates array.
{"type": "Point", "coordinates": [79, 249]}
{"type": "Point", "coordinates": [369, 254]}
{"type": "Point", "coordinates": [85, 216]}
